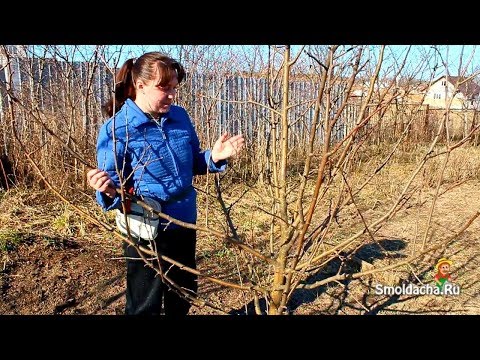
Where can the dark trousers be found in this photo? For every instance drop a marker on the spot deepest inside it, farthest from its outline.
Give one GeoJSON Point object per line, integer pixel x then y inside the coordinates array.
{"type": "Point", "coordinates": [145, 288]}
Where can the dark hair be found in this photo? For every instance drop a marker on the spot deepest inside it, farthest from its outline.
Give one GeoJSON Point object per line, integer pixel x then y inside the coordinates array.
{"type": "Point", "coordinates": [144, 68]}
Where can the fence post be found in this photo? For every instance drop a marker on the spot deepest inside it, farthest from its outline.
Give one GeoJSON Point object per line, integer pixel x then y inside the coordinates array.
{"type": "Point", "coordinates": [425, 122]}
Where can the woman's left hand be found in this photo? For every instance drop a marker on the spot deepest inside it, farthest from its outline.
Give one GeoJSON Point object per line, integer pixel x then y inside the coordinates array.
{"type": "Point", "coordinates": [227, 146]}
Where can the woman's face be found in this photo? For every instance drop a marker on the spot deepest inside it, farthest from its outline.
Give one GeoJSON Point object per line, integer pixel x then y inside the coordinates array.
{"type": "Point", "coordinates": [158, 99]}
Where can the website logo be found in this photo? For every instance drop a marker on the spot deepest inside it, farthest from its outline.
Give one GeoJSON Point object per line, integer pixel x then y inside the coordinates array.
{"type": "Point", "coordinates": [443, 284]}
{"type": "Point", "coordinates": [443, 278]}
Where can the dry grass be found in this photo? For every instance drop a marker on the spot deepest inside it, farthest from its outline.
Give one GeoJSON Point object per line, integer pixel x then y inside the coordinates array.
{"type": "Point", "coordinates": [28, 214]}
{"type": "Point", "coordinates": [398, 239]}
{"type": "Point", "coordinates": [35, 220]}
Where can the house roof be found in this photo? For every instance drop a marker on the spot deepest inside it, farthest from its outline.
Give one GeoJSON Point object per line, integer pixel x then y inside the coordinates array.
{"type": "Point", "coordinates": [469, 88]}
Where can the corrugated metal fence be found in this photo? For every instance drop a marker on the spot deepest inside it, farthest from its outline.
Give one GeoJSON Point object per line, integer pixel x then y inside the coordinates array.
{"type": "Point", "coordinates": [216, 104]}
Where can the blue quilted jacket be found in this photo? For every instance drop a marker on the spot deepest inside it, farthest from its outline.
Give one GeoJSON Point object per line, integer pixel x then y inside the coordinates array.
{"type": "Point", "coordinates": [161, 158]}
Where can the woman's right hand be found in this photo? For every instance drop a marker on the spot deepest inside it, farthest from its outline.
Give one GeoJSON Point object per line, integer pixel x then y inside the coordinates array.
{"type": "Point", "coordinates": [99, 180]}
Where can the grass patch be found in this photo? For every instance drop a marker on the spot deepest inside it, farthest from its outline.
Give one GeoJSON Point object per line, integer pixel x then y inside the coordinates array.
{"type": "Point", "coordinates": [9, 240]}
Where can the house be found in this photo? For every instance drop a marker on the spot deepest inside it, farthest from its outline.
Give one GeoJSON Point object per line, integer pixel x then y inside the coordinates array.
{"type": "Point", "coordinates": [398, 91]}
{"type": "Point", "coordinates": [466, 95]}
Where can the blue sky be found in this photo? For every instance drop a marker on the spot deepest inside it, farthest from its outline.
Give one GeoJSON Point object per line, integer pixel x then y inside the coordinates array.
{"type": "Point", "coordinates": [457, 57]}
{"type": "Point", "coordinates": [436, 56]}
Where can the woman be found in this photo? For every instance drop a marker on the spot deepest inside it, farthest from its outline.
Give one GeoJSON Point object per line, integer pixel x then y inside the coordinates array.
{"type": "Point", "coordinates": [154, 146]}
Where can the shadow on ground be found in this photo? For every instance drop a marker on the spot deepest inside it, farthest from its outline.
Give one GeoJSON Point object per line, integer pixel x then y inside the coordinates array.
{"type": "Point", "coordinates": [343, 264]}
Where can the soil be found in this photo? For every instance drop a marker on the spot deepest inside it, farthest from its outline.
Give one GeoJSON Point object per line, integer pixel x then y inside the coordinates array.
{"type": "Point", "coordinates": [62, 274]}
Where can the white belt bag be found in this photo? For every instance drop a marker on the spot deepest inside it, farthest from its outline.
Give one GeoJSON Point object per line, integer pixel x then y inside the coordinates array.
{"type": "Point", "coordinates": [142, 223]}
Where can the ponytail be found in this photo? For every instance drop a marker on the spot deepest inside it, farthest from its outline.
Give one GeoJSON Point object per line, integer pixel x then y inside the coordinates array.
{"type": "Point", "coordinates": [124, 89]}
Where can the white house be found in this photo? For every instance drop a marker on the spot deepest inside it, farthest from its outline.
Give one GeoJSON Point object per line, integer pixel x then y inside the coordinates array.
{"type": "Point", "coordinates": [465, 96]}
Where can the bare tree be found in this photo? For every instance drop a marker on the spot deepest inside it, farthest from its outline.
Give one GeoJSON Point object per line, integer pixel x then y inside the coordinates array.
{"type": "Point", "coordinates": [324, 124]}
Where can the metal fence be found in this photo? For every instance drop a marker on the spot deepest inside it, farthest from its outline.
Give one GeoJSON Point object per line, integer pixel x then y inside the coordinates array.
{"type": "Point", "coordinates": [48, 83]}
{"type": "Point", "coordinates": [216, 103]}
{"type": "Point", "coordinates": [234, 103]}
{"type": "Point", "coordinates": [68, 98]}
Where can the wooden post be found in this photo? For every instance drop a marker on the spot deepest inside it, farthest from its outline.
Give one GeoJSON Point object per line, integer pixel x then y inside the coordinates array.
{"type": "Point", "coordinates": [425, 122]}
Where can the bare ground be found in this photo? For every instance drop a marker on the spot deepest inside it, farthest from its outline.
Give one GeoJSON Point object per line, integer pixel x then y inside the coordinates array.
{"type": "Point", "coordinates": [45, 271]}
